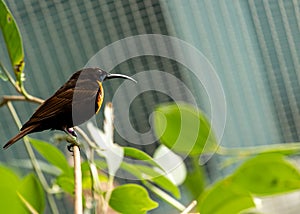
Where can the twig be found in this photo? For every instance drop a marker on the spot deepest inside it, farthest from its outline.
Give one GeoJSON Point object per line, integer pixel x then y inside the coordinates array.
{"type": "Point", "coordinates": [165, 197]}
{"type": "Point", "coordinates": [10, 78]}
{"type": "Point", "coordinates": [85, 137]}
{"type": "Point", "coordinates": [5, 99]}
{"type": "Point", "coordinates": [20, 87]}
{"type": "Point", "coordinates": [96, 185]}
{"type": "Point", "coordinates": [77, 180]}
{"type": "Point", "coordinates": [110, 184]}
{"type": "Point", "coordinates": [190, 207]}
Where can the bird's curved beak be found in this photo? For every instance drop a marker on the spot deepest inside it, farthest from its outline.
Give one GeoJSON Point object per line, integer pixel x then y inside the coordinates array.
{"type": "Point", "coordinates": [111, 76]}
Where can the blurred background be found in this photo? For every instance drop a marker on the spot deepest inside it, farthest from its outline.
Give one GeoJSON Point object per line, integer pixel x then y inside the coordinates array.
{"type": "Point", "coordinates": [253, 46]}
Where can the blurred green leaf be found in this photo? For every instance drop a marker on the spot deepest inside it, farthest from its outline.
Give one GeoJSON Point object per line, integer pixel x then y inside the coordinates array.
{"type": "Point", "coordinates": [267, 174]}
{"type": "Point", "coordinates": [158, 178]}
{"type": "Point", "coordinates": [183, 129]}
{"type": "Point", "coordinates": [29, 188]}
{"type": "Point", "coordinates": [27, 204]}
{"type": "Point", "coordinates": [12, 39]}
{"type": "Point", "coordinates": [225, 197]}
{"type": "Point", "coordinates": [32, 191]}
{"type": "Point", "coordinates": [27, 164]}
{"type": "Point", "coordinates": [140, 155]}
{"type": "Point", "coordinates": [66, 182]}
{"type": "Point", "coordinates": [87, 176]}
{"type": "Point", "coordinates": [52, 155]}
{"type": "Point", "coordinates": [9, 201]}
{"type": "Point", "coordinates": [195, 181]}
{"type": "Point", "coordinates": [146, 173]}
{"type": "Point", "coordinates": [131, 198]}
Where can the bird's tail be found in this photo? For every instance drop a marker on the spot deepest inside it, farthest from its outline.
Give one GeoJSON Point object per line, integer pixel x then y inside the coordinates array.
{"type": "Point", "coordinates": [21, 134]}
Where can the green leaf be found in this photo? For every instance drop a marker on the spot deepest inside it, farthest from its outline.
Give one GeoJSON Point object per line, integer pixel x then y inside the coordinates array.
{"type": "Point", "coordinates": [140, 155]}
{"type": "Point", "coordinates": [144, 173]}
{"type": "Point", "coordinates": [267, 174]}
{"type": "Point", "coordinates": [32, 191]}
{"type": "Point", "coordinates": [131, 198]}
{"type": "Point", "coordinates": [160, 179]}
{"type": "Point", "coordinates": [52, 155]}
{"type": "Point", "coordinates": [12, 39]}
{"type": "Point", "coordinates": [195, 181]}
{"type": "Point", "coordinates": [66, 182]}
{"type": "Point", "coordinates": [87, 181]}
{"type": "Point", "coordinates": [11, 185]}
{"type": "Point", "coordinates": [184, 129]}
{"type": "Point", "coordinates": [225, 197]}
{"type": "Point", "coordinates": [27, 204]}
{"type": "Point", "coordinates": [9, 201]}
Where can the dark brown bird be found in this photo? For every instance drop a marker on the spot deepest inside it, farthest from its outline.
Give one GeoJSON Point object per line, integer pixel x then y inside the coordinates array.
{"type": "Point", "coordinates": [73, 104]}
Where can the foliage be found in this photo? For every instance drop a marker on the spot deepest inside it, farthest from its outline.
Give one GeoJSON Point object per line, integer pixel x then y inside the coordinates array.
{"type": "Point", "coordinates": [262, 175]}
{"type": "Point", "coordinates": [137, 199]}
{"type": "Point", "coordinates": [266, 171]}
{"type": "Point", "coordinates": [12, 39]}
{"type": "Point", "coordinates": [15, 191]}
{"type": "Point", "coordinates": [172, 124]}
{"type": "Point", "coordinates": [28, 195]}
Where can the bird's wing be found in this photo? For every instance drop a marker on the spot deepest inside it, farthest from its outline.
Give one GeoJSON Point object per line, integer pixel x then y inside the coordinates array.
{"type": "Point", "coordinates": [61, 103]}
{"type": "Point", "coordinates": [52, 107]}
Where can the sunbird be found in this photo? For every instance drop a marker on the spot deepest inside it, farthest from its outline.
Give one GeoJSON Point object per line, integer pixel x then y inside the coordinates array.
{"type": "Point", "coordinates": [72, 104]}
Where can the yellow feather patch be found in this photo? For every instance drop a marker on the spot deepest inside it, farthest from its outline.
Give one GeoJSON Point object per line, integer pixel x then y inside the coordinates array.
{"type": "Point", "coordinates": [100, 95]}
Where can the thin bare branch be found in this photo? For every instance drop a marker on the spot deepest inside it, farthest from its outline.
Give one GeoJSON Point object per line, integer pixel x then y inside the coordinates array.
{"type": "Point", "coordinates": [77, 180]}
{"type": "Point", "coordinates": [10, 78]}
{"type": "Point", "coordinates": [5, 99]}
{"type": "Point", "coordinates": [190, 207]}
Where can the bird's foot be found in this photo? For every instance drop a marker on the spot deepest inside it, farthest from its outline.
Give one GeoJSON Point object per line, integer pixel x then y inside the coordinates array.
{"type": "Point", "coordinates": [71, 146]}
{"type": "Point", "coordinates": [72, 140]}
{"type": "Point", "coordinates": [71, 132]}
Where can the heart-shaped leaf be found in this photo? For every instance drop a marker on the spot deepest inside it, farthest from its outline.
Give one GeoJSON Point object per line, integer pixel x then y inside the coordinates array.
{"type": "Point", "coordinates": [184, 129]}
{"type": "Point", "coordinates": [131, 198]}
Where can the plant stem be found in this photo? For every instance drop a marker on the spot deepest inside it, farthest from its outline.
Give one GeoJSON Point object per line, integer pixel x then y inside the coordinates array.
{"type": "Point", "coordinates": [189, 207]}
{"type": "Point", "coordinates": [10, 78]}
{"type": "Point", "coordinates": [110, 185]}
{"type": "Point", "coordinates": [34, 162]}
{"type": "Point", "coordinates": [96, 185]}
{"type": "Point", "coordinates": [85, 137]}
{"type": "Point", "coordinates": [5, 99]}
{"type": "Point", "coordinates": [20, 88]}
{"type": "Point", "coordinates": [93, 184]}
{"type": "Point", "coordinates": [163, 195]}
{"type": "Point", "coordinates": [77, 180]}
